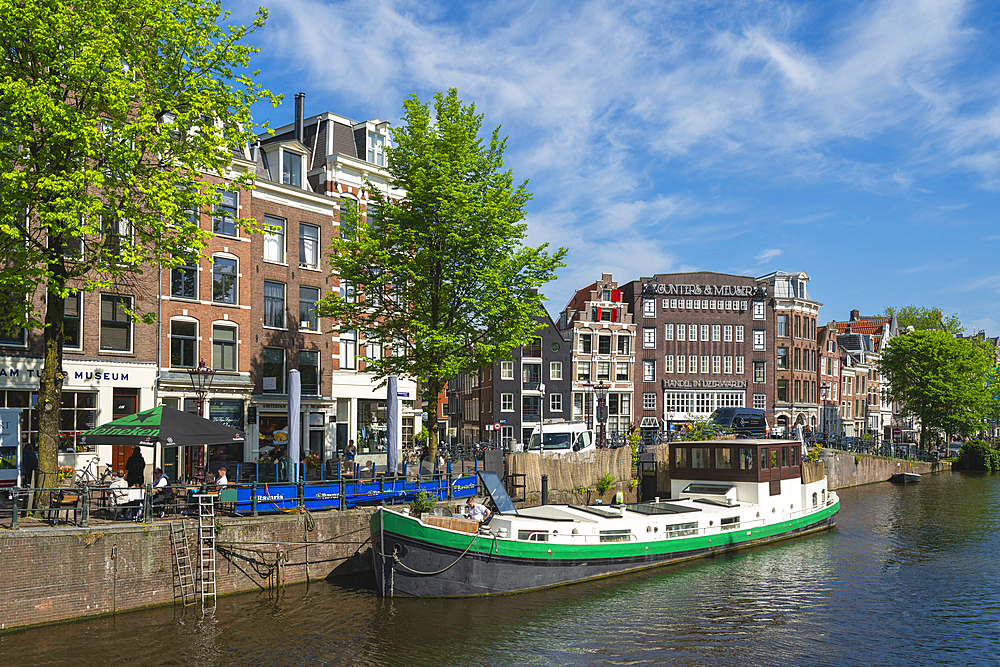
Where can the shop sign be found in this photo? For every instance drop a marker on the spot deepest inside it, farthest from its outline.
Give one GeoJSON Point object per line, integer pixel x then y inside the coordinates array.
{"type": "Point", "coordinates": [16, 373]}
{"type": "Point", "coordinates": [706, 384]}
{"type": "Point", "coordinates": [661, 289]}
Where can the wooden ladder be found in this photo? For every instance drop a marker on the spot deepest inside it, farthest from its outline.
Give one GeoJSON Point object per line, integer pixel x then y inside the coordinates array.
{"type": "Point", "coordinates": [182, 562]}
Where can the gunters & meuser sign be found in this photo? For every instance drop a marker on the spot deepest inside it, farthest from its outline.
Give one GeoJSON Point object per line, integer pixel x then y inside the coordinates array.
{"type": "Point", "coordinates": [693, 289]}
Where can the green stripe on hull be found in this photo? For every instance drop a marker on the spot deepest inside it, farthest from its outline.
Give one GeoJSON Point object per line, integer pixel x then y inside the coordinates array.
{"type": "Point", "coordinates": [556, 551]}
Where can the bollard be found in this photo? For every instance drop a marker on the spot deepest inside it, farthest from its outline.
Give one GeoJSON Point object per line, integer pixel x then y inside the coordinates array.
{"type": "Point", "coordinates": [147, 506]}
{"type": "Point", "coordinates": [253, 498]}
{"type": "Point", "coordinates": [85, 501]}
{"type": "Point", "coordinates": [16, 508]}
{"type": "Point", "coordinates": [545, 489]}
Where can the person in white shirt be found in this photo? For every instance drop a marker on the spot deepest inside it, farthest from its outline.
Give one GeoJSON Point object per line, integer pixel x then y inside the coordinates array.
{"type": "Point", "coordinates": [221, 480]}
{"type": "Point", "coordinates": [161, 494]}
{"type": "Point", "coordinates": [477, 511]}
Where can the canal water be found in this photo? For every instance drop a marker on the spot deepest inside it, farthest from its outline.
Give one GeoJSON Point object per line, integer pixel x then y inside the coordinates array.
{"type": "Point", "coordinates": [908, 577]}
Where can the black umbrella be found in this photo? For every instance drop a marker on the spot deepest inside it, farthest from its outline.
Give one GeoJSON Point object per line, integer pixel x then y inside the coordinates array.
{"type": "Point", "coordinates": [169, 427]}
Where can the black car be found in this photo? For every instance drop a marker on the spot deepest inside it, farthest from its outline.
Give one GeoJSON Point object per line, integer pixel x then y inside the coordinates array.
{"type": "Point", "coordinates": [744, 422]}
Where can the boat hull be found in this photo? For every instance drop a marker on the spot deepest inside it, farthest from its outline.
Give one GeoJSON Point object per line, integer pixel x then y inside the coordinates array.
{"type": "Point", "coordinates": [412, 559]}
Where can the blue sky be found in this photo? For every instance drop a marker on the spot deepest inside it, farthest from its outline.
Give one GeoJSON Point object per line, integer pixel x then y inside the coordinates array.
{"type": "Point", "coordinates": [858, 142]}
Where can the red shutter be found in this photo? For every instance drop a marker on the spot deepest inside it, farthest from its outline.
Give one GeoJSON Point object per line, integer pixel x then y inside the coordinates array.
{"type": "Point", "coordinates": [614, 314]}
{"type": "Point", "coordinates": [597, 318]}
{"type": "Point", "coordinates": [616, 295]}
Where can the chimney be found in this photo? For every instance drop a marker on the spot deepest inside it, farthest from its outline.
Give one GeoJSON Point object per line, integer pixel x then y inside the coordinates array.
{"type": "Point", "coordinates": [855, 315]}
{"type": "Point", "coordinates": [848, 330]}
{"type": "Point", "coordinates": [300, 104]}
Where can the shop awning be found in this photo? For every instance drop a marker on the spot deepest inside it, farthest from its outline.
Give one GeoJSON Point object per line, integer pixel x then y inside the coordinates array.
{"type": "Point", "coordinates": [169, 427]}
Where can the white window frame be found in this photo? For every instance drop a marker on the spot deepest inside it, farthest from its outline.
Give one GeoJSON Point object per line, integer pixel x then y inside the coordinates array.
{"type": "Point", "coordinates": [236, 284]}
{"type": "Point", "coordinates": [759, 339]}
{"type": "Point", "coordinates": [668, 332]}
{"type": "Point", "coordinates": [316, 251]}
{"type": "Point", "coordinates": [555, 370]}
{"type": "Point", "coordinates": [740, 367]}
{"type": "Point", "coordinates": [649, 337]}
{"type": "Point", "coordinates": [274, 241]}
{"type": "Point", "coordinates": [739, 333]}
{"type": "Point", "coordinates": [618, 374]}
{"type": "Point", "coordinates": [716, 333]}
{"type": "Point", "coordinates": [227, 324]}
{"type": "Point", "coordinates": [649, 307]}
{"type": "Point", "coordinates": [727, 333]}
{"type": "Point", "coordinates": [693, 363]}
{"type": "Point", "coordinates": [758, 310]}
{"type": "Point", "coordinates": [668, 364]}
{"type": "Point", "coordinates": [649, 370]}
{"type": "Point", "coordinates": [727, 364]}
{"type": "Point", "coordinates": [681, 364]}
{"type": "Point", "coordinates": [681, 332]}
{"type": "Point", "coordinates": [704, 332]}
{"type": "Point", "coordinates": [506, 370]}
{"type": "Point", "coordinates": [717, 364]}
{"type": "Point", "coordinates": [649, 400]}
{"type": "Point", "coordinates": [506, 402]}
{"type": "Point", "coordinates": [348, 349]}
{"type": "Point", "coordinates": [704, 363]}
{"type": "Point", "coordinates": [555, 402]}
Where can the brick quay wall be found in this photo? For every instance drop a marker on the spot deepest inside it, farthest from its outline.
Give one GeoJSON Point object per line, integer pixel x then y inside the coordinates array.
{"type": "Point", "coordinates": [58, 574]}
{"type": "Point", "coordinates": [845, 469]}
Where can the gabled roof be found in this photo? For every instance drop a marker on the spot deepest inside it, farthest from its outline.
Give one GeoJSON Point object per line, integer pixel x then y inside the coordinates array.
{"type": "Point", "coordinates": [869, 325]}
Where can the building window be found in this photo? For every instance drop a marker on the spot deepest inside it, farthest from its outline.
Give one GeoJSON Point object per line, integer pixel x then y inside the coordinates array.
{"type": "Point", "coordinates": [760, 401]}
{"type": "Point", "coordinates": [758, 310]}
{"type": "Point", "coordinates": [274, 240]}
{"type": "Point", "coordinates": [184, 280]}
{"type": "Point", "coordinates": [798, 359]}
{"type": "Point", "coordinates": [274, 304]}
{"type": "Point", "coordinates": [704, 332]}
{"type": "Point", "coordinates": [727, 364]}
{"type": "Point", "coordinates": [781, 326]}
{"type": "Point", "coordinates": [224, 221]}
{"type": "Point", "coordinates": [273, 367]}
{"type": "Point", "coordinates": [693, 363]}
{"type": "Point", "coordinates": [781, 360]}
{"type": "Point", "coordinates": [604, 344]}
{"type": "Point", "coordinates": [648, 370]}
{"type": "Point", "coordinates": [555, 402]}
{"type": "Point", "coordinates": [586, 340]}
{"type": "Point", "coordinates": [555, 370]}
{"type": "Point", "coordinates": [668, 364]}
{"type": "Point", "coordinates": [583, 371]}
{"type": "Point", "coordinates": [681, 332]}
{"type": "Point", "coordinates": [506, 402]}
{"type": "Point", "coordinates": [376, 148]}
{"type": "Point", "coordinates": [506, 370]}
{"type": "Point", "coordinates": [309, 246]}
{"type": "Point", "coordinates": [717, 364]}
{"type": "Point", "coordinates": [648, 400]}
{"type": "Point", "coordinates": [116, 325]}
{"type": "Point", "coordinates": [704, 363]}
{"type": "Point", "coordinates": [224, 280]}
{"type": "Point", "coordinates": [758, 372]}
{"type": "Point", "coordinates": [727, 333]}
{"type": "Point", "coordinates": [117, 235]}
{"type": "Point", "coordinates": [603, 370]}
{"type": "Point", "coordinates": [309, 371]}
{"type": "Point", "coordinates": [739, 333]}
{"type": "Point", "coordinates": [291, 168]}
{"type": "Point", "coordinates": [649, 307]}
{"type": "Point", "coordinates": [781, 392]}
{"type": "Point", "coordinates": [798, 326]}
{"type": "Point", "coordinates": [531, 373]}
{"type": "Point", "coordinates": [649, 337]}
{"type": "Point", "coordinates": [71, 322]}
{"type": "Point", "coordinates": [740, 369]}
{"type": "Point", "coordinates": [716, 333]}
{"type": "Point", "coordinates": [223, 348]}
{"type": "Point", "coordinates": [681, 363]}
{"type": "Point", "coordinates": [668, 332]}
{"type": "Point", "coordinates": [348, 218]}
{"type": "Point", "coordinates": [673, 303]}
{"type": "Point", "coordinates": [621, 371]}
{"type": "Point", "coordinates": [798, 390]}
{"type": "Point", "coordinates": [758, 339]}
{"type": "Point", "coordinates": [308, 296]}
{"type": "Point", "coordinates": [623, 344]}
{"type": "Point", "coordinates": [183, 344]}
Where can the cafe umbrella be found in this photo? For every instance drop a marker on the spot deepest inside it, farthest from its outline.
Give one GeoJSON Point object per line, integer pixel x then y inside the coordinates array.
{"type": "Point", "coordinates": [167, 426]}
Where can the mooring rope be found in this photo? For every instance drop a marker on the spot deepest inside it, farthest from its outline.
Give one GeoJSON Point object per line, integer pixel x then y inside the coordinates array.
{"type": "Point", "coordinates": [395, 557]}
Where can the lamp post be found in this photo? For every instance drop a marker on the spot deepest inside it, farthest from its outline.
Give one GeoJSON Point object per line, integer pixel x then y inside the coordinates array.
{"type": "Point", "coordinates": [201, 381]}
{"type": "Point", "coordinates": [601, 392]}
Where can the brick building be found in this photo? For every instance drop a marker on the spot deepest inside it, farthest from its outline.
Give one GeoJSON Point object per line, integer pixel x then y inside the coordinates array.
{"type": "Point", "coordinates": [600, 329]}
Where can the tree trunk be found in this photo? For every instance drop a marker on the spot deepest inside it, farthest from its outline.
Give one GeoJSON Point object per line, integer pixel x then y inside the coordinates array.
{"type": "Point", "coordinates": [50, 397]}
{"type": "Point", "coordinates": [433, 392]}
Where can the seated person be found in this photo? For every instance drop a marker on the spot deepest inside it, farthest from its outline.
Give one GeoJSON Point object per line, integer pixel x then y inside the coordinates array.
{"type": "Point", "coordinates": [161, 494]}
{"type": "Point", "coordinates": [477, 511]}
{"type": "Point", "coordinates": [118, 496]}
{"type": "Point", "coordinates": [221, 481]}
{"type": "Point", "coordinates": [368, 472]}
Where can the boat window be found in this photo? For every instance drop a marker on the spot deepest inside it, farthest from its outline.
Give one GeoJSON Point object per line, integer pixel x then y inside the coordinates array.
{"type": "Point", "coordinates": [729, 522]}
{"type": "Point", "coordinates": [680, 529]}
{"type": "Point", "coordinates": [774, 458]}
{"type": "Point", "coordinates": [699, 457]}
{"type": "Point", "coordinates": [814, 500]}
{"type": "Point", "coordinates": [616, 535]}
{"type": "Point", "coordinates": [533, 535]}
{"type": "Point", "coordinates": [724, 458]}
{"type": "Point", "coordinates": [680, 457]}
{"type": "Point", "coordinates": [784, 457]}
{"type": "Point", "coordinates": [823, 496]}
{"type": "Point", "coordinates": [763, 459]}
{"type": "Point", "coordinates": [746, 459]}
{"type": "Point", "coordinates": [704, 489]}
{"type": "Point", "coordinates": [795, 456]}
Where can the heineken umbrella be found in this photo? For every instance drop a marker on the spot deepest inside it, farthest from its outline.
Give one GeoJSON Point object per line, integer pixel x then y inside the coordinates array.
{"type": "Point", "coordinates": [169, 427]}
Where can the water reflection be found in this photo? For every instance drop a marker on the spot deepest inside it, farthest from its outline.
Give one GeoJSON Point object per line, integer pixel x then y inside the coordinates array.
{"type": "Point", "coordinates": [907, 578]}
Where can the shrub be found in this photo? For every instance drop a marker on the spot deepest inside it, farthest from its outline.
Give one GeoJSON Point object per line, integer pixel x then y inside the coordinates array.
{"type": "Point", "coordinates": [977, 455]}
{"type": "Point", "coordinates": [424, 502]}
{"type": "Point", "coordinates": [606, 481]}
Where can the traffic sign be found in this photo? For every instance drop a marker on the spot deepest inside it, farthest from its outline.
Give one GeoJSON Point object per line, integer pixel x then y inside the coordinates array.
{"type": "Point", "coordinates": [496, 427]}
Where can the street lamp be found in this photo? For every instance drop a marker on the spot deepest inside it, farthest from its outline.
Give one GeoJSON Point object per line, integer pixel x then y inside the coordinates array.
{"type": "Point", "coordinates": [201, 381]}
{"type": "Point", "coordinates": [601, 392]}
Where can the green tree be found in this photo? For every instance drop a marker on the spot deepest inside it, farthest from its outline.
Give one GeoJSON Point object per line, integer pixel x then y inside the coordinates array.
{"type": "Point", "coordinates": [442, 276]}
{"type": "Point", "coordinates": [110, 114]}
{"type": "Point", "coordinates": [922, 318]}
{"type": "Point", "coordinates": [703, 429]}
{"type": "Point", "coordinates": [940, 379]}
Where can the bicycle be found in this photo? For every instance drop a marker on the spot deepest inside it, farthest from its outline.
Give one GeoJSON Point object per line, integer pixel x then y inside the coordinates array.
{"type": "Point", "coordinates": [86, 476]}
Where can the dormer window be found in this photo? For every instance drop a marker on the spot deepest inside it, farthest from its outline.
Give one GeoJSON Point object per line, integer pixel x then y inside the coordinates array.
{"type": "Point", "coordinates": [376, 148]}
{"type": "Point", "coordinates": [291, 168]}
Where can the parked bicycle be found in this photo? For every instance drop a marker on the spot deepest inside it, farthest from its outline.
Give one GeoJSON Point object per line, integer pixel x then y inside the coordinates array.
{"type": "Point", "coordinates": [86, 475]}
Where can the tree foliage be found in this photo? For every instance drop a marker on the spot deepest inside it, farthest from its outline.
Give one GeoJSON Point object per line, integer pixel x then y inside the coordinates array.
{"type": "Point", "coordinates": [978, 455]}
{"type": "Point", "coordinates": [703, 429]}
{"type": "Point", "coordinates": [441, 274]}
{"type": "Point", "coordinates": [922, 318]}
{"type": "Point", "coordinates": [110, 113]}
{"type": "Point", "coordinates": [940, 379]}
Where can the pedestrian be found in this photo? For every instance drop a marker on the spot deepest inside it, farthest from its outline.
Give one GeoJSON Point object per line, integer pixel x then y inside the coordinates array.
{"type": "Point", "coordinates": [135, 468]}
{"type": "Point", "coordinates": [29, 464]}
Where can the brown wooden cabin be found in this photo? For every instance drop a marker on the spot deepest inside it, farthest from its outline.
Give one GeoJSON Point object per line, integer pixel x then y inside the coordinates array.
{"type": "Point", "coordinates": [737, 461]}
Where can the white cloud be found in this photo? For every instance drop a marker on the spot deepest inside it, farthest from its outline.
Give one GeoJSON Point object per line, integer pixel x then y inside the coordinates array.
{"type": "Point", "coordinates": [768, 255]}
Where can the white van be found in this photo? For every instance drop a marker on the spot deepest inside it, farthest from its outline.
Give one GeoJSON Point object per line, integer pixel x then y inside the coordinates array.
{"type": "Point", "coordinates": [559, 437]}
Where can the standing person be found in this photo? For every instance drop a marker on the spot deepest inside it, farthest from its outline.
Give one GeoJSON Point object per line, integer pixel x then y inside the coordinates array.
{"type": "Point", "coordinates": [477, 511]}
{"type": "Point", "coordinates": [29, 464]}
{"type": "Point", "coordinates": [135, 468]}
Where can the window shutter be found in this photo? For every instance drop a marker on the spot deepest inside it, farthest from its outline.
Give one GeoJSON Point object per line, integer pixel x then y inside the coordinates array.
{"type": "Point", "coordinates": [597, 317]}
{"type": "Point", "coordinates": [614, 314]}
{"type": "Point", "coordinates": [616, 295]}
